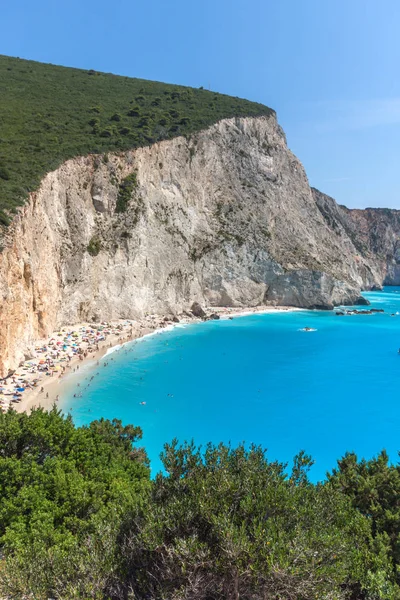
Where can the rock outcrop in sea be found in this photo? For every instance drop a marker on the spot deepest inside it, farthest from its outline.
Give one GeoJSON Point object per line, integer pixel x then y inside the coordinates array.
{"type": "Point", "coordinates": [223, 218]}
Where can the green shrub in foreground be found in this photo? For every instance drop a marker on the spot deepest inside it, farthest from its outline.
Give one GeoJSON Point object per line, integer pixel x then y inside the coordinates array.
{"type": "Point", "coordinates": [79, 518]}
{"type": "Point", "coordinates": [63, 493]}
{"type": "Point", "coordinates": [227, 523]}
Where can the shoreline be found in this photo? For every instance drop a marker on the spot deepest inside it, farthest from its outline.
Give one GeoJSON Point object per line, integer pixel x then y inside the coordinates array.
{"type": "Point", "coordinates": [45, 393]}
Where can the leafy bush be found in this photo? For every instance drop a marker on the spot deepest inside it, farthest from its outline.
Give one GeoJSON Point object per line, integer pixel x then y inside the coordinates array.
{"type": "Point", "coordinates": [227, 523]}
{"type": "Point", "coordinates": [134, 112]}
{"type": "Point", "coordinates": [106, 133]}
{"type": "Point", "coordinates": [79, 518]}
{"type": "Point", "coordinates": [374, 489]}
{"type": "Point", "coordinates": [94, 246]}
{"type": "Point", "coordinates": [63, 493]}
{"type": "Point", "coordinates": [4, 219]}
{"type": "Point", "coordinates": [126, 189]}
{"type": "Point", "coordinates": [4, 173]}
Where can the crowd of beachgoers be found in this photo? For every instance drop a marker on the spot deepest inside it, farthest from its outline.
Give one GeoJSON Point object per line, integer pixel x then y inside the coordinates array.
{"type": "Point", "coordinates": [60, 354]}
{"type": "Point", "coordinates": [69, 347]}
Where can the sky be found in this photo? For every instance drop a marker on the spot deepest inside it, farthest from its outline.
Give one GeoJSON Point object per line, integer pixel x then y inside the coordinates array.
{"type": "Point", "coordinates": [329, 69]}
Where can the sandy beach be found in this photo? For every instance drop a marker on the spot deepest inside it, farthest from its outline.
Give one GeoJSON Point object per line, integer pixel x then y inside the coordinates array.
{"type": "Point", "coordinates": [40, 380]}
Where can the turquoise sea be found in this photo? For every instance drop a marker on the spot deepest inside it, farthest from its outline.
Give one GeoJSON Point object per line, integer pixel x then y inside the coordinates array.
{"type": "Point", "coordinates": [259, 379]}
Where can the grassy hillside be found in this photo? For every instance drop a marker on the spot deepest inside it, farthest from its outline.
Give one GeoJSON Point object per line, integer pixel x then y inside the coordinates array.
{"type": "Point", "coordinates": [49, 114]}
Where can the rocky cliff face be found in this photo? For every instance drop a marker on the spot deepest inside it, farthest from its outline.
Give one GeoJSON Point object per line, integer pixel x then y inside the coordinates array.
{"type": "Point", "coordinates": [373, 233]}
{"type": "Point", "coordinates": [378, 231]}
{"type": "Point", "coordinates": [226, 217]}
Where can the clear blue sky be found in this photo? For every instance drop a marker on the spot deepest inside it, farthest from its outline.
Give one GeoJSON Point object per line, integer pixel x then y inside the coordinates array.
{"type": "Point", "coordinates": [329, 69]}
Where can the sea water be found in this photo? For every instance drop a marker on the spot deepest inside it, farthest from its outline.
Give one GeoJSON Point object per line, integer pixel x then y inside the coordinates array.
{"type": "Point", "coordinates": [259, 379]}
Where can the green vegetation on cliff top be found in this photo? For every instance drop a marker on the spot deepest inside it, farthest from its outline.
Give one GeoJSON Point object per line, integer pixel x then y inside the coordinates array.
{"type": "Point", "coordinates": [49, 114]}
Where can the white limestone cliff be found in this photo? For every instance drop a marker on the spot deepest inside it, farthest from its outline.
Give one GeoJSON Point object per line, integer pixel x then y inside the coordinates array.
{"type": "Point", "coordinates": [226, 217]}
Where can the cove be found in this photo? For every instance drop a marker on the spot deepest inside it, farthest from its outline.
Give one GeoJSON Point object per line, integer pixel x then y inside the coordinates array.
{"type": "Point", "coordinates": [259, 379]}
